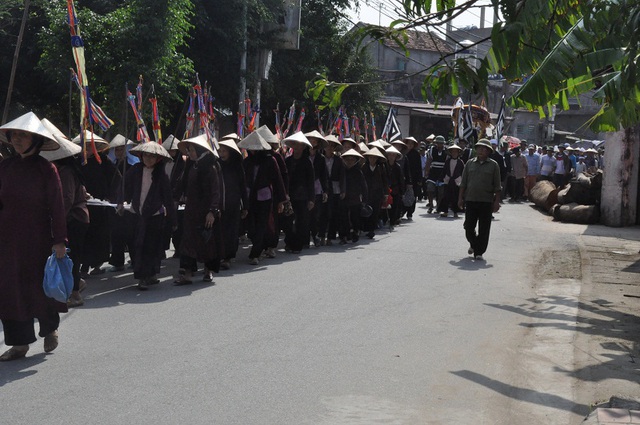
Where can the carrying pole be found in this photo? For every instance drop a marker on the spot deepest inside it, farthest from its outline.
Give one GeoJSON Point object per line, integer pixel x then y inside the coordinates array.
{"type": "Point", "coordinates": [14, 66]}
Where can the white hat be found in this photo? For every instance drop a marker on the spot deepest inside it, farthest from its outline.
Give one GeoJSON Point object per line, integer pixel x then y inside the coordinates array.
{"type": "Point", "coordinates": [231, 144]}
{"type": "Point", "coordinates": [315, 134]}
{"type": "Point", "coordinates": [352, 152]}
{"type": "Point", "coordinates": [377, 144]}
{"type": "Point", "coordinates": [231, 136]}
{"type": "Point", "coordinates": [399, 142]}
{"type": "Point", "coordinates": [200, 140]}
{"type": "Point", "coordinates": [591, 150]}
{"type": "Point", "coordinates": [254, 142]}
{"type": "Point", "coordinates": [431, 137]}
{"type": "Point", "coordinates": [101, 144]}
{"type": "Point", "coordinates": [333, 139]}
{"type": "Point", "coordinates": [30, 123]}
{"type": "Point", "coordinates": [152, 148]}
{"type": "Point", "coordinates": [267, 135]}
{"type": "Point", "coordinates": [170, 143]}
{"type": "Point", "coordinates": [363, 148]}
{"type": "Point", "coordinates": [119, 140]}
{"type": "Point", "coordinates": [298, 137]}
{"type": "Point", "coordinates": [393, 150]}
{"type": "Point", "coordinates": [454, 146]}
{"type": "Point", "coordinates": [410, 139]}
{"type": "Point", "coordinates": [67, 148]}
{"type": "Point", "coordinates": [374, 152]}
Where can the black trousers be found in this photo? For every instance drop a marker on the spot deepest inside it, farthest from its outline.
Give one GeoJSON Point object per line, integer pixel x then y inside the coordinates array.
{"type": "Point", "coordinates": [21, 332]}
{"type": "Point", "coordinates": [314, 216]}
{"type": "Point", "coordinates": [258, 226]}
{"type": "Point", "coordinates": [478, 213]}
{"type": "Point", "coordinates": [147, 249]}
{"type": "Point", "coordinates": [450, 198]}
{"type": "Point", "coordinates": [350, 220]}
{"type": "Point", "coordinates": [76, 232]}
{"type": "Point", "coordinates": [230, 228]}
{"type": "Point", "coordinates": [121, 231]}
{"type": "Point", "coordinates": [297, 233]}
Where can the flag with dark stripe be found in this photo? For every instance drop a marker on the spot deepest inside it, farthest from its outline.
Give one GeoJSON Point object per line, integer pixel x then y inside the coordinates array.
{"type": "Point", "coordinates": [391, 130]}
{"type": "Point", "coordinates": [500, 123]}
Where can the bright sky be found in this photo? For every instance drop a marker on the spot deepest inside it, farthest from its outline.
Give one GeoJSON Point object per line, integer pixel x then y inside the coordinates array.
{"type": "Point", "coordinates": [382, 12]}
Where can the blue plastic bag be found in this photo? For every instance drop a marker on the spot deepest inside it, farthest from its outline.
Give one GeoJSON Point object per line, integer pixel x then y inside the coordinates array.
{"type": "Point", "coordinates": [58, 278]}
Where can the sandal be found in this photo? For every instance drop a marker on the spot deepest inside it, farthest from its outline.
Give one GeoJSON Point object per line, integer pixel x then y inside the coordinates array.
{"type": "Point", "coordinates": [181, 281]}
{"type": "Point", "coordinates": [14, 353]}
{"type": "Point", "coordinates": [75, 300]}
{"type": "Point", "coordinates": [51, 342]}
{"type": "Point", "coordinates": [208, 276]}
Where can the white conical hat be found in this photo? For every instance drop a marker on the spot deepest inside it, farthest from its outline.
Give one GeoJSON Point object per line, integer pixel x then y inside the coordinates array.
{"type": "Point", "coordinates": [315, 134]}
{"type": "Point", "coordinates": [170, 143]}
{"type": "Point", "coordinates": [377, 144]}
{"type": "Point", "coordinates": [375, 152]}
{"type": "Point", "coordinates": [101, 144]}
{"type": "Point", "coordinates": [254, 142]}
{"type": "Point", "coordinates": [393, 150]}
{"type": "Point", "coordinates": [31, 123]}
{"type": "Point", "coordinates": [152, 148]}
{"type": "Point", "coordinates": [267, 135]}
{"type": "Point", "coordinates": [298, 137]}
{"type": "Point", "coordinates": [231, 144]}
{"type": "Point", "coordinates": [231, 136]}
{"type": "Point", "coordinates": [363, 148]}
{"type": "Point", "coordinates": [200, 140]}
{"type": "Point", "coordinates": [352, 152]}
{"type": "Point", "coordinates": [67, 148]}
{"type": "Point", "coordinates": [410, 139]}
{"type": "Point", "coordinates": [119, 140]}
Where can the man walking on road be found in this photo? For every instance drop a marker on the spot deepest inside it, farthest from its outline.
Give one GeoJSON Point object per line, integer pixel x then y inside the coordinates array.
{"type": "Point", "coordinates": [480, 196]}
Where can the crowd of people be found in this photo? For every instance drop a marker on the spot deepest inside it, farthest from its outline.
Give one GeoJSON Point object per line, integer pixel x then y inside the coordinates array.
{"type": "Point", "coordinates": [203, 196]}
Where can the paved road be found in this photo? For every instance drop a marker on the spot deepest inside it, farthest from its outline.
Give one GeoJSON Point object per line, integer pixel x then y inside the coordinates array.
{"type": "Point", "coordinates": [404, 329]}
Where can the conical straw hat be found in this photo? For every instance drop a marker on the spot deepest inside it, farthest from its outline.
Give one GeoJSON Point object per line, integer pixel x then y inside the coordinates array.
{"type": "Point", "coordinates": [352, 152]}
{"type": "Point", "coordinates": [170, 143]}
{"type": "Point", "coordinates": [231, 144]}
{"type": "Point", "coordinates": [101, 144]}
{"type": "Point", "coordinates": [298, 137]}
{"type": "Point", "coordinates": [315, 134]}
{"type": "Point", "coordinates": [31, 123]}
{"type": "Point", "coordinates": [375, 152]}
{"type": "Point", "coordinates": [67, 148]}
{"type": "Point", "coordinates": [393, 150]}
{"type": "Point", "coordinates": [231, 136]}
{"type": "Point", "coordinates": [200, 140]}
{"type": "Point", "coordinates": [119, 140]}
{"type": "Point", "coordinates": [267, 135]}
{"type": "Point", "coordinates": [254, 142]}
{"type": "Point", "coordinates": [152, 148]}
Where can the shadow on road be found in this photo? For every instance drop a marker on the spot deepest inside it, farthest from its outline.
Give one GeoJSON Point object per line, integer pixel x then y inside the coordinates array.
{"type": "Point", "coordinates": [468, 263]}
{"type": "Point", "coordinates": [15, 370]}
{"type": "Point", "coordinates": [596, 318]}
{"type": "Point", "coordinates": [524, 394]}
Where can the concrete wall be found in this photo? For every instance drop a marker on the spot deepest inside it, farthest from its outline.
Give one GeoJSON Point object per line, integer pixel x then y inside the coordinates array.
{"type": "Point", "coordinates": [620, 185]}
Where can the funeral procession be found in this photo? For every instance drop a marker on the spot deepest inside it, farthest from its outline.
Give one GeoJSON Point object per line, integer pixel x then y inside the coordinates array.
{"type": "Point", "coordinates": [332, 212]}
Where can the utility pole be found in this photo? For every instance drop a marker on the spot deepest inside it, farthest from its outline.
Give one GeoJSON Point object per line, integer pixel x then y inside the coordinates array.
{"type": "Point", "coordinates": [243, 61]}
{"type": "Point", "coordinates": [14, 66]}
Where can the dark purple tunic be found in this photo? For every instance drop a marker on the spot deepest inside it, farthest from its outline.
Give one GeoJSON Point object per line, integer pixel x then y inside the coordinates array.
{"type": "Point", "coordinates": [32, 220]}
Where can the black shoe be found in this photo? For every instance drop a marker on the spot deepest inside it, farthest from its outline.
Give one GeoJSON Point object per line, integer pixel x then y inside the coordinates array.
{"type": "Point", "coordinates": [470, 251]}
{"type": "Point", "coordinates": [142, 285]}
{"type": "Point", "coordinates": [370, 235]}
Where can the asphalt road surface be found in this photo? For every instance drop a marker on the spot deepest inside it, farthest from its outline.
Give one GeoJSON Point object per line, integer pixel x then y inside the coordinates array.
{"type": "Point", "coordinates": [403, 329]}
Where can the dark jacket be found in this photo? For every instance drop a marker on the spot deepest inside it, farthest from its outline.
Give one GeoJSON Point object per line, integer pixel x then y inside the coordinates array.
{"type": "Point", "coordinates": [320, 171]}
{"type": "Point", "coordinates": [158, 198]}
{"type": "Point", "coordinates": [356, 187]}
{"type": "Point", "coordinates": [336, 174]}
{"type": "Point", "coordinates": [301, 178]}
{"type": "Point", "coordinates": [377, 181]}
{"type": "Point", "coordinates": [262, 173]}
{"type": "Point", "coordinates": [396, 179]}
{"type": "Point", "coordinates": [235, 195]}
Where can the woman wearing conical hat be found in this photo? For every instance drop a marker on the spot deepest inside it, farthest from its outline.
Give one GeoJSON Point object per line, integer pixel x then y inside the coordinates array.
{"type": "Point", "coordinates": [265, 192]}
{"type": "Point", "coordinates": [148, 190]}
{"type": "Point", "coordinates": [356, 193]}
{"type": "Point", "coordinates": [397, 185]}
{"type": "Point", "coordinates": [98, 179]}
{"type": "Point", "coordinates": [375, 173]}
{"type": "Point", "coordinates": [235, 199]}
{"type": "Point", "coordinates": [203, 191]}
{"type": "Point", "coordinates": [74, 195]}
{"type": "Point", "coordinates": [329, 218]}
{"type": "Point", "coordinates": [32, 224]}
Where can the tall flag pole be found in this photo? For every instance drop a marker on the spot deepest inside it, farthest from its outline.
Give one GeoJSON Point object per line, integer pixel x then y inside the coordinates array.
{"type": "Point", "coordinates": [500, 122]}
{"type": "Point", "coordinates": [191, 115]}
{"type": "Point", "coordinates": [366, 129]}
{"type": "Point", "coordinates": [157, 132]}
{"type": "Point", "coordinates": [87, 118]}
{"type": "Point", "coordinates": [142, 135]}
{"type": "Point", "coordinates": [290, 119]}
{"type": "Point", "coordinates": [373, 126]}
{"type": "Point", "coordinates": [278, 128]}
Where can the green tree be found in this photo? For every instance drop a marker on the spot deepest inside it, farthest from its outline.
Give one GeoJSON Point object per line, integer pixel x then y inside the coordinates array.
{"type": "Point", "coordinates": [565, 47]}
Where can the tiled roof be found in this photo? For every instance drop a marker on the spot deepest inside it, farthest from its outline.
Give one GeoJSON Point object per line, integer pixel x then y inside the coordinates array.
{"type": "Point", "coordinates": [422, 40]}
